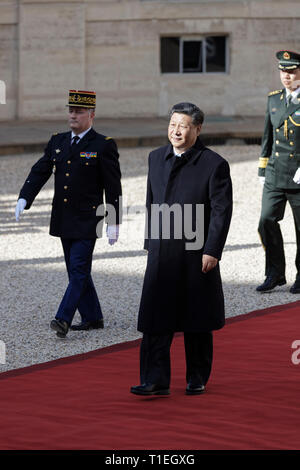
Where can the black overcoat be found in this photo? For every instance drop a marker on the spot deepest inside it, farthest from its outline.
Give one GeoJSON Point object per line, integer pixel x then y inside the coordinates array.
{"type": "Point", "coordinates": [177, 295]}
{"type": "Point", "coordinates": [82, 174]}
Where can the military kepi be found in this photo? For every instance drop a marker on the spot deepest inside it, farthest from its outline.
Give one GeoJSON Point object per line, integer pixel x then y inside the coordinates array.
{"type": "Point", "coordinates": [288, 60]}
{"type": "Point", "coordinates": [82, 99]}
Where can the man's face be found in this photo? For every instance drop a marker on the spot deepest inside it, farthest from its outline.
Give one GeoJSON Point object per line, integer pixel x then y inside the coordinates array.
{"type": "Point", "coordinates": [80, 119]}
{"type": "Point", "coordinates": [182, 133]}
{"type": "Point", "coordinates": [290, 79]}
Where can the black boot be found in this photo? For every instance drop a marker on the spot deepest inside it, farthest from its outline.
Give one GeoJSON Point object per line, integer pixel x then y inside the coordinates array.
{"type": "Point", "coordinates": [270, 283]}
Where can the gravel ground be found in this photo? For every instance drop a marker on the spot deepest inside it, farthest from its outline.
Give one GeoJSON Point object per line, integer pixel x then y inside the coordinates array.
{"type": "Point", "coordinates": [33, 275]}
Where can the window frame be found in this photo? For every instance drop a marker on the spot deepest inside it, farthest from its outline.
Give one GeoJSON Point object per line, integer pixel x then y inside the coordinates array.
{"type": "Point", "coordinates": [199, 38]}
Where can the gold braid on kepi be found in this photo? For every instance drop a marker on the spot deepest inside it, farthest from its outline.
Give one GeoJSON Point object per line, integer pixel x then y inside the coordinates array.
{"type": "Point", "coordinates": [82, 99]}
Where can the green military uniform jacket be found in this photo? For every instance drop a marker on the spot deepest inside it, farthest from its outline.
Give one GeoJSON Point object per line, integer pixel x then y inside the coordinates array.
{"type": "Point", "coordinates": [280, 156]}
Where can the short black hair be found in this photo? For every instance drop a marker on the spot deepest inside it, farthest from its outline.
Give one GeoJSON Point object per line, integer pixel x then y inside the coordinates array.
{"type": "Point", "coordinates": [189, 109]}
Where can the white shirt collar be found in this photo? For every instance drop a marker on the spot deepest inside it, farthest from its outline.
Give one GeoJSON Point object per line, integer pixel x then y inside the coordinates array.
{"type": "Point", "coordinates": [293, 93]}
{"type": "Point", "coordinates": [82, 133]}
{"type": "Point", "coordinates": [176, 153]}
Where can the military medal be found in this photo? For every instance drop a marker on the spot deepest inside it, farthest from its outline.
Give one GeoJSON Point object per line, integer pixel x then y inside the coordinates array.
{"type": "Point", "coordinates": [88, 155]}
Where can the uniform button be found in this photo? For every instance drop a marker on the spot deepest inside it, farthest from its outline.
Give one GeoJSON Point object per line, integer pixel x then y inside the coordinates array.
{"type": "Point", "coordinates": [65, 187]}
{"type": "Point", "coordinates": [277, 130]}
{"type": "Point", "coordinates": [69, 162]}
{"type": "Point", "coordinates": [86, 163]}
{"type": "Point", "coordinates": [94, 207]}
{"type": "Point", "coordinates": [67, 174]}
{"type": "Point", "coordinates": [291, 143]}
{"type": "Point", "coordinates": [65, 200]}
{"type": "Point", "coordinates": [277, 154]}
{"type": "Point", "coordinates": [54, 159]}
{"type": "Point", "coordinates": [277, 142]}
{"type": "Point", "coordinates": [291, 131]}
{"type": "Point", "coordinates": [291, 155]}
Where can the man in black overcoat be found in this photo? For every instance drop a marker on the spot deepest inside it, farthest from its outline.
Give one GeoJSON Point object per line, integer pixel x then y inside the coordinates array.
{"type": "Point", "coordinates": [189, 207]}
{"type": "Point", "coordinates": [85, 165]}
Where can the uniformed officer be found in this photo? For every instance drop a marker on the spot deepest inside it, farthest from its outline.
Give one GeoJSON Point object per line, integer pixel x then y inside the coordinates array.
{"type": "Point", "coordinates": [85, 165]}
{"type": "Point", "coordinates": [278, 165]}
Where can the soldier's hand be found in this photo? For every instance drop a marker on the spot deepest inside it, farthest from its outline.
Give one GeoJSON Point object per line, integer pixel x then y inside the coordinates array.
{"type": "Point", "coordinates": [21, 204]}
{"type": "Point", "coordinates": [112, 232]}
{"type": "Point", "coordinates": [208, 263]}
{"type": "Point", "coordinates": [262, 180]}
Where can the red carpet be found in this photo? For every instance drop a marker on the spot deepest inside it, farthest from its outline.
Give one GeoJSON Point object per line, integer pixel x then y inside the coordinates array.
{"type": "Point", "coordinates": [83, 402]}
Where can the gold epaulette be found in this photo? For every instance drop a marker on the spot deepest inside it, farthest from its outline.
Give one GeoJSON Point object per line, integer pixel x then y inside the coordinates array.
{"type": "Point", "coordinates": [108, 138]}
{"type": "Point", "coordinates": [276, 92]}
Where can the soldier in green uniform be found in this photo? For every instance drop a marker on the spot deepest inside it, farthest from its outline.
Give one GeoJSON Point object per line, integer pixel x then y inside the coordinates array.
{"type": "Point", "coordinates": [278, 165]}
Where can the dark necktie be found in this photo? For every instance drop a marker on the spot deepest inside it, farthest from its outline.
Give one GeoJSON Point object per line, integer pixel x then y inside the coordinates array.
{"type": "Point", "coordinates": [288, 100]}
{"type": "Point", "coordinates": [75, 140]}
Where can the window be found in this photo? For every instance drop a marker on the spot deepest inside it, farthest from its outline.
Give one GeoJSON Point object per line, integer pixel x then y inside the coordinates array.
{"type": "Point", "coordinates": [193, 55]}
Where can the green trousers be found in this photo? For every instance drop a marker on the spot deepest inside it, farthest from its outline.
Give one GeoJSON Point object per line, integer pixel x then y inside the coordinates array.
{"type": "Point", "coordinates": [272, 211]}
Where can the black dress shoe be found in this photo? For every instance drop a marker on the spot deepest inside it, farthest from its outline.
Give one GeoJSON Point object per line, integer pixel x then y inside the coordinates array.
{"type": "Point", "coordinates": [60, 326]}
{"type": "Point", "coordinates": [88, 325]}
{"type": "Point", "coordinates": [150, 389]}
{"type": "Point", "coordinates": [194, 389]}
{"type": "Point", "coordinates": [295, 289]}
{"type": "Point", "coordinates": [270, 283]}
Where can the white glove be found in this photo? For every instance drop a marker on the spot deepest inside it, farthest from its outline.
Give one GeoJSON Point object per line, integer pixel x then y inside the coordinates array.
{"type": "Point", "coordinates": [296, 178]}
{"type": "Point", "coordinates": [21, 204]}
{"type": "Point", "coordinates": [112, 232]}
{"type": "Point", "coordinates": [262, 180]}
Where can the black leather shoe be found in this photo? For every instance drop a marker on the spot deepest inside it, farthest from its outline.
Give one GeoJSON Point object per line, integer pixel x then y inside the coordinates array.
{"type": "Point", "coordinates": [150, 389]}
{"type": "Point", "coordinates": [60, 326]}
{"type": "Point", "coordinates": [194, 389]}
{"type": "Point", "coordinates": [295, 289]}
{"type": "Point", "coordinates": [270, 283]}
{"type": "Point", "coordinates": [88, 325]}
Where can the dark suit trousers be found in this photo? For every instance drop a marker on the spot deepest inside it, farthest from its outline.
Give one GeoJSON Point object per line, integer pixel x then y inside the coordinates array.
{"type": "Point", "coordinates": [81, 293]}
{"type": "Point", "coordinates": [272, 212]}
{"type": "Point", "coordinates": [155, 364]}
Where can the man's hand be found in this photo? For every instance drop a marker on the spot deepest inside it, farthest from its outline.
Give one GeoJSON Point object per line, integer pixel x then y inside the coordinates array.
{"type": "Point", "coordinates": [262, 180]}
{"type": "Point", "coordinates": [21, 204]}
{"type": "Point", "coordinates": [208, 263]}
{"type": "Point", "coordinates": [112, 232]}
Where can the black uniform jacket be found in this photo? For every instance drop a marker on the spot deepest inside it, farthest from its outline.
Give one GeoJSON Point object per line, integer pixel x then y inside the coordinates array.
{"type": "Point", "coordinates": [177, 295]}
{"type": "Point", "coordinates": [82, 174]}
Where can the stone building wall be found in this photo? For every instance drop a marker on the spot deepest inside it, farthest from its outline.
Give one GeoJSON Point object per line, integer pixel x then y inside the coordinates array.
{"type": "Point", "coordinates": [113, 47]}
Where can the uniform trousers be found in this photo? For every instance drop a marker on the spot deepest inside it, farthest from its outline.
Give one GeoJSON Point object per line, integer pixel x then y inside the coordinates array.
{"type": "Point", "coordinates": [272, 212]}
{"type": "Point", "coordinates": [80, 293]}
{"type": "Point", "coordinates": [155, 364]}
